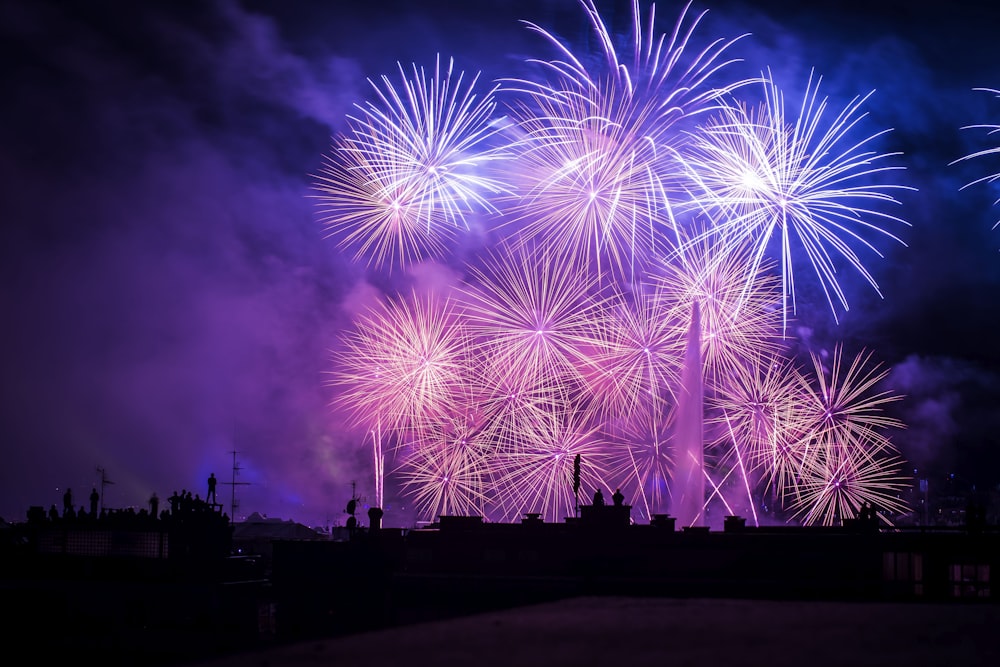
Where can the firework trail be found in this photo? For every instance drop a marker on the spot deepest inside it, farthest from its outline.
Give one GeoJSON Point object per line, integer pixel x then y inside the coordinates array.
{"type": "Point", "coordinates": [991, 130]}
{"type": "Point", "coordinates": [837, 483]}
{"type": "Point", "coordinates": [636, 364]}
{"type": "Point", "coordinates": [762, 426]}
{"type": "Point", "coordinates": [768, 179]}
{"type": "Point", "coordinates": [398, 187]}
{"type": "Point", "coordinates": [513, 404]}
{"type": "Point", "coordinates": [845, 407]}
{"type": "Point", "coordinates": [848, 459]}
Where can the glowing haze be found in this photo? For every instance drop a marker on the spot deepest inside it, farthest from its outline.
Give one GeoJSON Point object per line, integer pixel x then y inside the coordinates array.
{"type": "Point", "coordinates": [220, 216]}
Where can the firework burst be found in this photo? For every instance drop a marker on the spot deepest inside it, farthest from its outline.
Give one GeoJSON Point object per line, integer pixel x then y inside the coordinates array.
{"type": "Point", "coordinates": [768, 179]}
{"type": "Point", "coordinates": [533, 312]}
{"type": "Point", "coordinates": [845, 406]}
{"type": "Point", "coordinates": [636, 365]}
{"type": "Point", "coordinates": [837, 483]}
{"type": "Point", "coordinates": [400, 185]}
{"type": "Point", "coordinates": [640, 459]}
{"type": "Point", "coordinates": [593, 168]}
{"type": "Point", "coordinates": [405, 362]}
{"type": "Point", "coordinates": [447, 470]}
{"type": "Point", "coordinates": [537, 475]}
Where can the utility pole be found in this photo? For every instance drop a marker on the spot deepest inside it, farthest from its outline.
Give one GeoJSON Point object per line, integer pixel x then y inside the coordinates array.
{"type": "Point", "coordinates": [233, 503]}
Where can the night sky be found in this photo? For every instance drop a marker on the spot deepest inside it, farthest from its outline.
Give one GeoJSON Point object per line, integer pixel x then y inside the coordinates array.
{"type": "Point", "coordinates": [168, 296]}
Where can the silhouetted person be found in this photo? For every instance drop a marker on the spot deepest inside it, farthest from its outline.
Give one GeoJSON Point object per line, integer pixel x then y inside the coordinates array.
{"type": "Point", "coordinates": [618, 498]}
{"type": "Point", "coordinates": [68, 502]}
{"type": "Point", "coordinates": [94, 498]}
{"type": "Point", "coordinates": [598, 498]}
{"type": "Point", "coordinates": [175, 503]}
{"type": "Point", "coordinates": [210, 498]}
{"type": "Point", "coordinates": [154, 505]}
{"type": "Point", "coordinates": [53, 512]}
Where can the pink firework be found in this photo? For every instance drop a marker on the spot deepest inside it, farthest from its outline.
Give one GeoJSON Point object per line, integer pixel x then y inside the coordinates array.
{"type": "Point", "coordinates": [536, 475]}
{"type": "Point", "coordinates": [640, 459]}
{"type": "Point", "coordinates": [846, 406]}
{"type": "Point", "coordinates": [446, 470]}
{"type": "Point", "coordinates": [636, 364]}
{"type": "Point", "coordinates": [405, 362]}
{"type": "Point", "coordinates": [760, 425]}
{"type": "Point", "coordinates": [533, 313]}
{"type": "Point", "coordinates": [837, 482]}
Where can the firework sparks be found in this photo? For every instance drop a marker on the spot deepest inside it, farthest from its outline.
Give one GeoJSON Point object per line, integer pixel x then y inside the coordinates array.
{"type": "Point", "coordinates": [845, 406]}
{"type": "Point", "coordinates": [643, 460]}
{"type": "Point", "coordinates": [404, 363]}
{"type": "Point", "coordinates": [836, 484]}
{"type": "Point", "coordinates": [535, 311]}
{"type": "Point", "coordinates": [400, 185]}
{"type": "Point", "coordinates": [593, 167]}
{"type": "Point", "coordinates": [738, 310]}
{"type": "Point", "coordinates": [760, 405]}
{"type": "Point", "coordinates": [446, 470]}
{"type": "Point", "coordinates": [767, 179]}
{"type": "Point", "coordinates": [995, 150]}
{"type": "Point", "coordinates": [537, 476]}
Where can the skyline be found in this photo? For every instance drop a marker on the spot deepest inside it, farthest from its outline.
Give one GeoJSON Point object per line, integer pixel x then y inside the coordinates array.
{"type": "Point", "coordinates": [193, 315]}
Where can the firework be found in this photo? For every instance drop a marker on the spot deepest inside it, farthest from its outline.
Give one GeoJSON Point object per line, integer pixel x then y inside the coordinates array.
{"type": "Point", "coordinates": [405, 362]}
{"type": "Point", "coordinates": [446, 470]}
{"type": "Point", "coordinates": [619, 218]}
{"type": "Point", "coordinates": [770, 180]}
{"type": "Point", "coordinates": [846, 457]}
{"type": "Point", "coordinates": [658, 68]}
{"type": "Point", "coordinates": [588, 184]}
{"type": "Point", "coordinates": [836, 484]}
{"type": "Point", "coordinates": [537, 475]}
{"type": "Point", "coordinates": [592, 166]}
{"type": "Point", "coordinates": [640, 460]}
{"type": "Point", "coordinates": [845, 406]}
{"type": "Point", "coordinates": [399, 186]}
{"type": "Point", "coordinates": [636, 365]}
{"type": "Point", "coordinates": [514, 404]}
{"type": "Point", "coordinates": [533, 311]}
{"type": "Point", "coordinates": [990, 130]}
{"type": "Point", "coordinates": [759, 406]}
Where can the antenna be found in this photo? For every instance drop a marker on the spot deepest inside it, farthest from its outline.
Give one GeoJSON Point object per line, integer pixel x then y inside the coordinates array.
{"type": "Point", "coordinates": [104, 482]}
{"type": "Point", "coordinates": [233, 503]}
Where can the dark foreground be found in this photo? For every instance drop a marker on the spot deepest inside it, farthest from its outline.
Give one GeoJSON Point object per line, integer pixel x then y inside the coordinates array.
{"type": "Point", "coordinates": [633, 632]}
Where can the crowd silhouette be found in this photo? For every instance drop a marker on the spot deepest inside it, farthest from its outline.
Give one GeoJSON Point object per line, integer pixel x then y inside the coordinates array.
{"type": "Point", "coordinates": [182, 506]}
